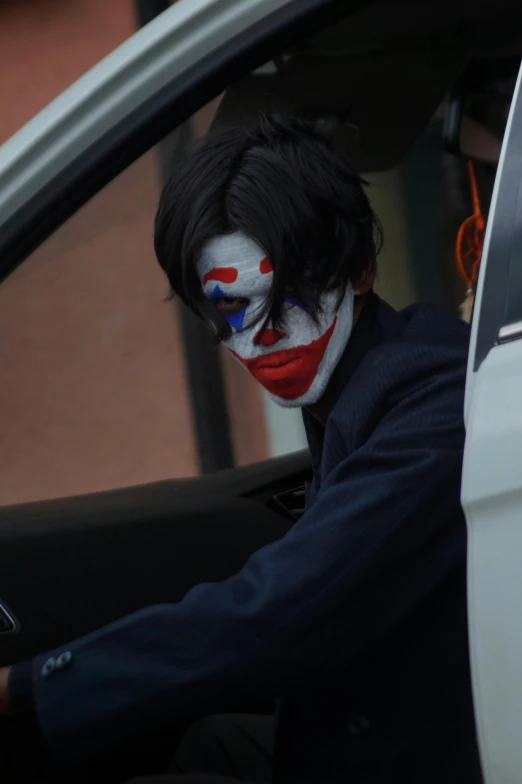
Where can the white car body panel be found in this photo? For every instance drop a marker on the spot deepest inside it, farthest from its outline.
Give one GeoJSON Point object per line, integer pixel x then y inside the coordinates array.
{"type": "Point", "coordinates": [492, 501]}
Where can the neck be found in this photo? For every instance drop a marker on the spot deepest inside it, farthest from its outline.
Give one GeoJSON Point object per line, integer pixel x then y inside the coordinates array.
{"type": "Point", "coordinates": [322, 409]}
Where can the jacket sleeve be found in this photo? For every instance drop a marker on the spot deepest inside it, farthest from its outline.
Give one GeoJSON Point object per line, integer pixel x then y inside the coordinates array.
{"type": "Point", "coordinates": [383, 532]}
{"type": "Point", "coordinates": [20, 690]}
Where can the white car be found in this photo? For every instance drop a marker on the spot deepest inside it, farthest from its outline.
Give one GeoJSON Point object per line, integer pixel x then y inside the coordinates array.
{"type": "Point", "coordinates": [386, 65]}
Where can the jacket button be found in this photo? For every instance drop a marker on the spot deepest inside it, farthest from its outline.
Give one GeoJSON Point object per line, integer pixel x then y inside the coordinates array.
{"type": "Point", "coordinates": [49, 668]}
{"type": "Point", "coordinates": [358, 725]}
{"type": "Point", "coordinates": [64, 660]}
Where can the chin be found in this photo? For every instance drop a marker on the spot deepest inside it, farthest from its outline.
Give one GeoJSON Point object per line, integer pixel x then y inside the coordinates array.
{"type": "Point", "coordinates": [311, 396]}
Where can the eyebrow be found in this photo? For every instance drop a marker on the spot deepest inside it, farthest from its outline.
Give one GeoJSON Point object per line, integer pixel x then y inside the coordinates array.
{"type": "Point", "coordinates": [222, 274]}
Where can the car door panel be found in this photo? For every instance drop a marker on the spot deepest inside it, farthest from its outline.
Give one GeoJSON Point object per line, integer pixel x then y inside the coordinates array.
{"type": "Point", "coordinates": [69, 566]}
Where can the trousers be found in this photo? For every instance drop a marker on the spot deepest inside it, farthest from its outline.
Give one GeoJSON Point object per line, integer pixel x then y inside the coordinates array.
{"type": "Point", "coordinates": [222, 749]}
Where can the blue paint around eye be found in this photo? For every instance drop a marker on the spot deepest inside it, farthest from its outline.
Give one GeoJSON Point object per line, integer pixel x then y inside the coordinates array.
{"type": "Point", "coordinates": [234, 319]}
{"type": "Point", "coordinates": [218, 293]}
{"type": "Point", "coordinates": [307, 305]}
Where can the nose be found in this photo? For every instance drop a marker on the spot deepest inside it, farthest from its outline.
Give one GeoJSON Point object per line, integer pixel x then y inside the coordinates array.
{"type": "Point", "coordinates": [268, 337]}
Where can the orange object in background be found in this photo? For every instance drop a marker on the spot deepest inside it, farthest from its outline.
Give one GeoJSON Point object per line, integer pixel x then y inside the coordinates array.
{"type": "Point", "coordinates": [470, 244]}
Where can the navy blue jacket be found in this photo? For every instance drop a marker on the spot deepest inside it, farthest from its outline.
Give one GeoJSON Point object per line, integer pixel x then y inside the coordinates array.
{"type": "Point", "coordinates": [356, 619]}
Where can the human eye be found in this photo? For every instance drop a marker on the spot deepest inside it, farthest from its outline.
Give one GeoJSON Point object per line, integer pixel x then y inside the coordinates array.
{"type": "Point", "coordinates": [231, 304]}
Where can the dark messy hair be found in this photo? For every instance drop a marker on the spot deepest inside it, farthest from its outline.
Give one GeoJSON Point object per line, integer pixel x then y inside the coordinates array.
{"type": "Point", "coordinates": [284, 183]}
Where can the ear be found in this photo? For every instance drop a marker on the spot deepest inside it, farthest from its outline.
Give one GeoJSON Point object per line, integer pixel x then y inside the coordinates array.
{"type": "Point", "coordinates": [365, 282]}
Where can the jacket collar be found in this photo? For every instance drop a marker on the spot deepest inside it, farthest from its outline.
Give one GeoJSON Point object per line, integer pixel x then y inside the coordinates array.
{"type": "Point", "coordinates": [366, 334]}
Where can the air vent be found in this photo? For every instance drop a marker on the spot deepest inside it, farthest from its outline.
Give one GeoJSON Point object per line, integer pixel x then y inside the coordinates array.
{"type": "Point", "coordinates": [291, 503]}
{"type": "Point", "coordinates": [7, 622]}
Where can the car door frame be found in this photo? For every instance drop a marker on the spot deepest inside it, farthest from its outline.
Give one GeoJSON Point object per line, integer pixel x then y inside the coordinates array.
{"type": "Point", "coordinates": [113, 114]}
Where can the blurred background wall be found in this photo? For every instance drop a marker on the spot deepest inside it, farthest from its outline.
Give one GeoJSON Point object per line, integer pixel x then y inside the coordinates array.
{"type": "Point", "coordinates": [97, 387]}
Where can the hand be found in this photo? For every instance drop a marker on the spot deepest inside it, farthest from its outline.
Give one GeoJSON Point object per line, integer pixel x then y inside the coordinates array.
{"type": "Point", "coordinates": [5, 702]}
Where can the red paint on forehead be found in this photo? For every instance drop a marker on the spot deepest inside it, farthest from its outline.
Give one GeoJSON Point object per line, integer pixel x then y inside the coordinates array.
{"type": "Point", "coordinates": [265, 266]}
{"type": "Point", "coordinates": [222, 274]}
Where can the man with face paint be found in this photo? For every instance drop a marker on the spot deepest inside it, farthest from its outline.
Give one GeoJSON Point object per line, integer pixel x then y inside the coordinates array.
{"type": "Point", "coordinates": [293, 364]}
{"type": "Point", "coordinates": [354, 621]}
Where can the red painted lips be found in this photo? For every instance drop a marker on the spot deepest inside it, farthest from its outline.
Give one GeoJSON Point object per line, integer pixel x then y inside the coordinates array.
{"type": "Point", "coordinates": [289, 373]}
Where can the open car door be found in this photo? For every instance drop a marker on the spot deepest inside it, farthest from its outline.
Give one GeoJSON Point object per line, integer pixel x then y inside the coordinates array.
{"type": "Point", "coordinates": [492, 479]}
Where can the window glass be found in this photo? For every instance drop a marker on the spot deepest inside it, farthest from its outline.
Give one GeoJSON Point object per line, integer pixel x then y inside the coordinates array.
{"type": "Point", "coordinates": [95, 393]}
{"type": "Point", "coordinates": [60, 42]}
{"type": "Point", "coordinates": [92, 395]}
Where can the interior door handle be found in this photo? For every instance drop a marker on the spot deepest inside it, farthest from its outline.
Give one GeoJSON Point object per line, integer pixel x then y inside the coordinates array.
{"type": "Point", "coordinates": [8, 623]}
{"type": "Point", "coordinates": [510, 332]}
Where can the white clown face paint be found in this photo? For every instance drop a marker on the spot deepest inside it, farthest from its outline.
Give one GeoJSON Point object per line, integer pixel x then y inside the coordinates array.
{"type": "Point", "coordinates": [293, 364]}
